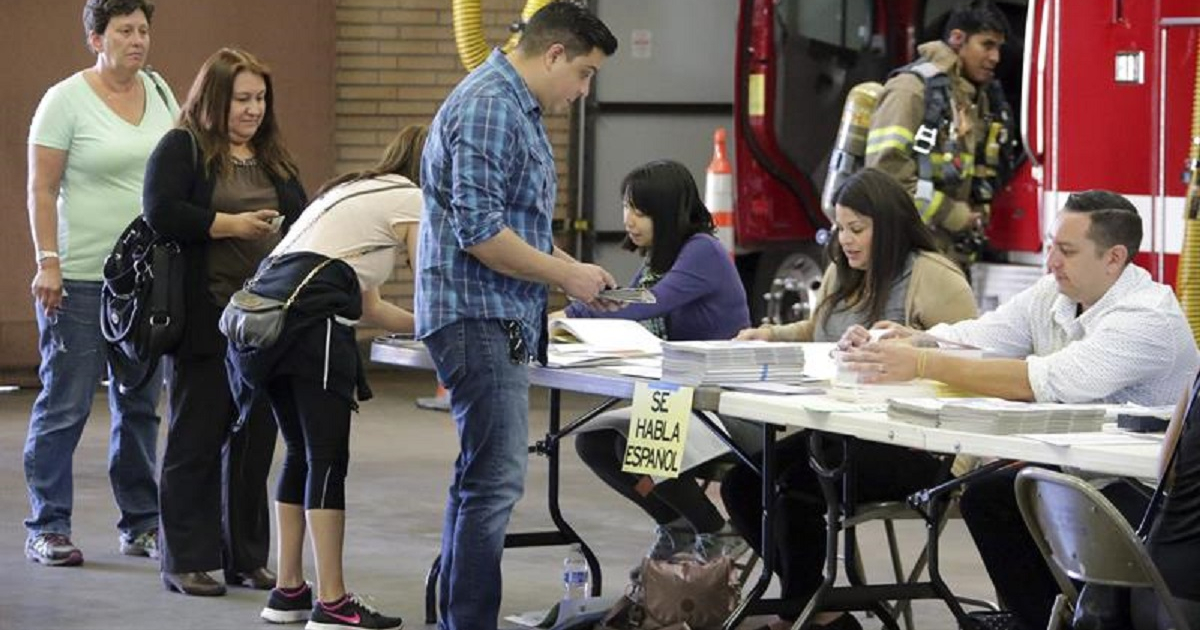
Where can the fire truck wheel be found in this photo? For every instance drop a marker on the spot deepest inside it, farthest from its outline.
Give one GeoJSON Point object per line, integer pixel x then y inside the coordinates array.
{"type": "Point", "coordinates": [786, 284]}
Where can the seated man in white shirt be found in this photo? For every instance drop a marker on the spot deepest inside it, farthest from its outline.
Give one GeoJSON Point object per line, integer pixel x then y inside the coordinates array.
{"type": "Point", "coordinates": [1095, 329]}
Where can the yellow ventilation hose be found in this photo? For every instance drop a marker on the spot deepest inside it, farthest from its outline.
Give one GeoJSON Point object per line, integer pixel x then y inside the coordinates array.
{"type": "Point", "coordinates": [1187, 282]}
{"type": "Point", "coordinates": [473, 48]}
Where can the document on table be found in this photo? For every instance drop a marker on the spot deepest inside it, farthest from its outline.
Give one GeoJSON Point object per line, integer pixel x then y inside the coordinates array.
{"type": "Point", "coordinates": [638, 367]}
{"type": "Point", "coordinates": [582, 342]}
{"type": "Point", "coordinates": [604, 335]}
{"type": "Point", "coordinates": [581, 358]}
{"type": "Point", "coordinates": [652, 372]}
{"type": "Point", "coordinates": [827, 404]}
{"type": "Point", "coordinates": [768, 387]}
{"type": "Point", "coordinates": [818, 360]}
{"type": "Point", "coordinates": [1105, 438]}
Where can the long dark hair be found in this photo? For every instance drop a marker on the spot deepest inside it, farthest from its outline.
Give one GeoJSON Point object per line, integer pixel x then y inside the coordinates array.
{"type": "Point", "coordinates": [401, 157]}
{"type": "Point", "coordinates": [896, 232]}
{"type": "Point", "coordinates": [665, 191]}
{"type": "Point", "coordinates": [206, 114]}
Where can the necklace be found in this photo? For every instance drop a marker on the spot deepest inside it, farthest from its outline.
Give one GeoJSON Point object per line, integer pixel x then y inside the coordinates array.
{"type": "Point", "coordinates": [111, 93]}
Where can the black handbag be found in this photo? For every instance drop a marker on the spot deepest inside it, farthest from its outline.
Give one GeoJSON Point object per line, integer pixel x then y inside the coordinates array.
{"type": "Point", "coordinates": [141, 318]}
{"type": "Point", "coordinates": [141, 302]}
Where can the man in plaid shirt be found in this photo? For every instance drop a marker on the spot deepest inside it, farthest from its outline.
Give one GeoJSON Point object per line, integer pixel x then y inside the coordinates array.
{"type": "Point", "coordinates": [485, 258]}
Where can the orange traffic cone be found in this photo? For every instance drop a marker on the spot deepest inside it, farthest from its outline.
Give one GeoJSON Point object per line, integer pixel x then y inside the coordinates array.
{"type": "Point", "coordinates": [438, 402]}
{"type": "Point", "coordinates": [718, 191]}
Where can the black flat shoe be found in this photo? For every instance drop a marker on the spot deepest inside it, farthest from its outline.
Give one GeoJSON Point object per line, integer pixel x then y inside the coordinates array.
{"type": "Point", "coordinates": [844, 622]}
{"type": "Point", "coordinates": [260, 579]}
{"type": "Point", "coordinates": [193, 583]}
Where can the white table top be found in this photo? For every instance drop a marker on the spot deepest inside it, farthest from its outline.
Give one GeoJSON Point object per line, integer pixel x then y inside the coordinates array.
{"type": "Point", "coordinates": [583, 380]}
{"type": "Point", "coordinates": [1137, 457]}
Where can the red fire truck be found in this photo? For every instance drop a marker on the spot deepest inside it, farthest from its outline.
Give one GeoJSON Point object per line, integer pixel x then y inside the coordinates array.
{"type": "Point", "coordinates": [1103, 89]}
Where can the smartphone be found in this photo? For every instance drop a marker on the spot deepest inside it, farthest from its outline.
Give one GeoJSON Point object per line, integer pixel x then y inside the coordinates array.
{"type": "Point", "coordinates": [276, 222]}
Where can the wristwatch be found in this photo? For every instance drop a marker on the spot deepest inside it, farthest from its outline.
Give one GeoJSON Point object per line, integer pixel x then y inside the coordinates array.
{"type": "Point", "coordinates": [43, 254]}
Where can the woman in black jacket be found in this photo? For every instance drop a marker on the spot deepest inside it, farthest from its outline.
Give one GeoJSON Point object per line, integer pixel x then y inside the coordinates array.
{"type": "Point", "coordinates": [223, 186]}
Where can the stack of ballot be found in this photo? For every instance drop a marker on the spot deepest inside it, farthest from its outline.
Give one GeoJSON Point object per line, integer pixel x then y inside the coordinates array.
{"type": "Point", "coordinates": [726, 362]}
{"type": "Point", "coordinates": [919, 410]}
{"type": "Point", "coordinates": [996, 416]}
{"type": "Point", "coordinates": [881, 393]}
{"type": "Point", "coordinates": [1081, 418]}
{"type": "Point", "coordinates": [847, 379]}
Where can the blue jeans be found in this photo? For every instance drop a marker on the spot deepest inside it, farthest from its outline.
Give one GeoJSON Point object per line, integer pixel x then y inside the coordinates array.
{"type": "Point", "coordinates": [489, 399]}
{"type": "Point", "coordinates": [74, 359]}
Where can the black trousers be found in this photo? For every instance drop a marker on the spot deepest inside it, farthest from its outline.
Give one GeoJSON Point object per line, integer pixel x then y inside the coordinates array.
{"type": "Point", "coordinates": [315, 426]}
{"type": "Point", "coordinates": [883, 473]}
{"type": "Point", "coordinates": [670, 499]}
{"type": "Point", "coordinates": [1023, 581]}
{"type": "Point", "coordinates": [213, 485]}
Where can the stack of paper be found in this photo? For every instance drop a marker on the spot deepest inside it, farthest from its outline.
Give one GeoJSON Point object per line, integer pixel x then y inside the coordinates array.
{"type": "Point", "coordinates": [577, 342]}
{"type": "Point", "coordinates": [993, 416]}
{"type": "Point", "coordinates": [996, 416]}
{"type": "Point", "coordinates": [920, 410]}
{"type": "Point", "coordinates": [1080, 418]}
{"type": "Point", "coordinates": [725, 362]}
{"type": "Point", "coordinates": [881, 393]}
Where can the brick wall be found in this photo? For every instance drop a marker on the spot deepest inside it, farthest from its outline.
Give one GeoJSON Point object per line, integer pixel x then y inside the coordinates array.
{"type": "Point", "coordinates": [396, 62]}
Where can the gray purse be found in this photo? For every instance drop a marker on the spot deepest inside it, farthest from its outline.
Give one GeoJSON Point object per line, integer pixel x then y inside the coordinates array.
{"type": "Point", "coordinates": [253, 321]}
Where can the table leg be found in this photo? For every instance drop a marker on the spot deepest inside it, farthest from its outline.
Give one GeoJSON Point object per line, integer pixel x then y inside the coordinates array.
{"type": "Point", "coordinates": [565, 531]}
{"type": "Point", "coordinates": [769, 493]}
{"type": "Point", "coordinates": [845, 510]}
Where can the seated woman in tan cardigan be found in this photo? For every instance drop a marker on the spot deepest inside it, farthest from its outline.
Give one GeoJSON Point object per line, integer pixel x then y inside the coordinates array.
{"type": "Point", "coordinates": [885, 266]}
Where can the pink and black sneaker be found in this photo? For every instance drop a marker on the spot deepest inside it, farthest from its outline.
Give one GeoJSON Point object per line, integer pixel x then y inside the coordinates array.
{"type": "Point", "coordinates": [350, 612]}
{"type": "Point", "coordinates": [288, 605]}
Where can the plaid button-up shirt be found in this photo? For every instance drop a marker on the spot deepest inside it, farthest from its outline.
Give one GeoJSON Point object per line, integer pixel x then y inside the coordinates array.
{"type": "Point", "coordinates": [487, 165]}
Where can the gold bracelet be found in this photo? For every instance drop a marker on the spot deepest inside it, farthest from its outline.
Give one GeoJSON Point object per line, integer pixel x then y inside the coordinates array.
{"type": "Point", "coordinates": [922, 357]}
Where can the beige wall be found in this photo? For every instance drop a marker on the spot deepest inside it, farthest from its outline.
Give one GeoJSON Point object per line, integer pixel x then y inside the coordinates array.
{"type": "Point", "coordinates": [45, 44]}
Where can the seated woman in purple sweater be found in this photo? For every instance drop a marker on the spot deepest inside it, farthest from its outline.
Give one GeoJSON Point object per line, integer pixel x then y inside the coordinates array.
{"type": "Point", "coordinates": [699, 296]}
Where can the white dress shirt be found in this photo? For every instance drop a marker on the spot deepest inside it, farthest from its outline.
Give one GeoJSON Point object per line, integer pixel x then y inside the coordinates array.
{"type": "Point", "coordinates": [1133, 345]}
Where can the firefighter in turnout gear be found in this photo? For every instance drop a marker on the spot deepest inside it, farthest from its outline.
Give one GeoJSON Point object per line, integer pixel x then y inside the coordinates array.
{"type": "Point", "coordinates": [941, 125]}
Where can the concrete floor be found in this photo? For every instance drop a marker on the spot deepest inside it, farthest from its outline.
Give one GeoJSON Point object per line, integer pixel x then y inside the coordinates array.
{"type": "Point", "coordinates": [400, 464]}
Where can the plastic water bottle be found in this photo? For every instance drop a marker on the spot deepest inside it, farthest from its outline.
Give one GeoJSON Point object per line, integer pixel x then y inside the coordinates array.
{"type": "Point", "coordinates": [577, 577]}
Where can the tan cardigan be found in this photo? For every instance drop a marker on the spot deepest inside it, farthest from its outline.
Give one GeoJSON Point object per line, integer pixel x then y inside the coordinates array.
{"type": "Point", "coordinates": [937, 293]}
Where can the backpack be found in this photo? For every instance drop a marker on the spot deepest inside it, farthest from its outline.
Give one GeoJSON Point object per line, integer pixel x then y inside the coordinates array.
{"type": "Point", "coordinates": [998, 154]}
{"type": "Point", "coordinates": [141, 302]}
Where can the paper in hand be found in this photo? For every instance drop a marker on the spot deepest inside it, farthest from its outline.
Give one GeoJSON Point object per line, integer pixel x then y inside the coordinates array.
{"type": "Point", "coordinates": [636, 296]}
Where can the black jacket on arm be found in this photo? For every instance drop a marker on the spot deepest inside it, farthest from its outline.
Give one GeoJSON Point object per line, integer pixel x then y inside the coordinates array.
{"type": "Point", "coordinates": [177, 203]}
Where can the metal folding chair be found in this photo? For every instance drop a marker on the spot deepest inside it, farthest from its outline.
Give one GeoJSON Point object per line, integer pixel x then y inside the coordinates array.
{"type": "Point", "coordinates": [889, 512]}
{"type": "Point", "coordinates": [1083, 537]}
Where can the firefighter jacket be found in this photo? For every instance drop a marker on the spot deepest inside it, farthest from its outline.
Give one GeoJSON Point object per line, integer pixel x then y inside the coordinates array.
{"type": "Point", "coordinates": [894, 125]}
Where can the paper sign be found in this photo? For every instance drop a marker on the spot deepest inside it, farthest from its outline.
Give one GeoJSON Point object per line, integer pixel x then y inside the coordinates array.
{"type": "Point", "coordinates": [641, 44]}
{"type": "Point", "coordinates": [658, 425]}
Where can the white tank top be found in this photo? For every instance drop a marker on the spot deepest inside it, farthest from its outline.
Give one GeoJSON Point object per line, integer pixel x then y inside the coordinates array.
{"type": "Point", "coordinates": [359, 222]}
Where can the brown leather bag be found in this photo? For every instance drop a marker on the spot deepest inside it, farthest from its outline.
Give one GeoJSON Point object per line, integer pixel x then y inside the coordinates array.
{"type": "Point", "coordinates": [681, 593]}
